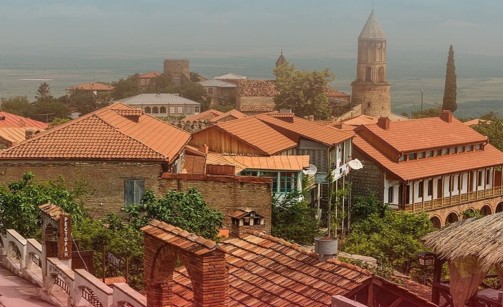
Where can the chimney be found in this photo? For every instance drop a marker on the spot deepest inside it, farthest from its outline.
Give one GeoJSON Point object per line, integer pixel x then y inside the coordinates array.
{"type": "Point", "coordinates": [246, 220]}
{"type": "Point", "coordinates": [446, 116]}
{"type": "Point", "coordinates": [204, 148]}
{"type": "Point", "coordinates": [310, 118]}
{"type": "Point", "coordinates": [29, 133]}
{"type": "Point", "coordinates": [384, 123]}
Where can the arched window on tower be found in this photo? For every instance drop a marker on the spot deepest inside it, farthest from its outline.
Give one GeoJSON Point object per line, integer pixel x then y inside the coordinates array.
{"type": "Point", "coordinates": [380, 74]}
{"type": "Point", "coordinates": [368, 76]}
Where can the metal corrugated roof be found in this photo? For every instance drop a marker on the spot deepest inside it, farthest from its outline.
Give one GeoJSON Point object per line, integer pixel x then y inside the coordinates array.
{"type": "Point", "coordinates": [159, 99]}
{"type": "Point", "coordinates": [217, 83]}
{"type": "Point", "coordinates": [372, 29]}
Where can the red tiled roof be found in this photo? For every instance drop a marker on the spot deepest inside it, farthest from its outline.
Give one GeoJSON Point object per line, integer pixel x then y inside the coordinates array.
{"type": "Point", "coordinates": [257, 134]}
{"type": "Point", "coordinates": [435, 166]}
{"type": "Point", "coordinates": [203, 116]}
{"type": "Point", "coordinates": [332, 92]}
{"type": "Point", "coordinates": [105, 134]}
{"type": "Point", "coordinates": [307, 129]}
{"type": "Point", "coordinates": [92, 87]}
{"type": "Point", "coordinates": [149, 75]}
{"type": "Point", "coordinates": [232, 114]}
{"type": "Point", "coordinates": [425, 133]}
{"type": "Point", "coordinates": [8, 120]}
{"type": "Point", "coordinates": [15, 135]}
{"type": "Point", "coordinates": [268, 271]}
{"type": "Point", "coordinates": [257, 88]}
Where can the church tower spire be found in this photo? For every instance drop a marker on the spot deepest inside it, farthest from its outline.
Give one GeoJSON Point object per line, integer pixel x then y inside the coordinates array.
{"type": "Point", "coordinates": [371, 88]}
{"type": "Point", "coordinates": [281, 60]}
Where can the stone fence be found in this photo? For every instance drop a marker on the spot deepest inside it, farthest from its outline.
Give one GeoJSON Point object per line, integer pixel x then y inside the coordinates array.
{"type": "Point", "coordinates": [24, 257]}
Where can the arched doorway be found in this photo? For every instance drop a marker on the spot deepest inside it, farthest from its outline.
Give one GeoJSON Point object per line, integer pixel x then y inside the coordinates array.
{"type": "Point", "coordinates": [486, 210]}
{"type": "Point", "coordinates": [469, 213]}
{"type": "Point", "coordinates": [380, 74]}
{"type": "Point", "coordinates": [499, 208]}
{"type": "Point", "coordinates": [435, 221]}
{"type": "Point", "coordinates": [451, 218]}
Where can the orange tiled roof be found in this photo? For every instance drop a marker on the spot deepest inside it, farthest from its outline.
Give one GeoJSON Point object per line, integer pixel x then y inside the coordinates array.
{"type": "Point", "coordinates": [203, 116]}
{"type": "Point", "coordinates": [232, 114]}
{"type": "Point", "coordinates": [92, 87]}
{"type": "Point", "coordinates": [256, 108]}
{"type": "Point", "coordinates": [257, 88]}
{"type": "Point", "coordinates": [424, 133]}
{"type": "Point", "coordinates": [435, 166]}
{"type": "Point", "coordinates": [8, 120]}
{"type": "Point", "coordinates": [257, 134]}
{"type": "Point", "coordinates": [284, 163]}
{"type": "Point", "coordinates": [15, 135]}
{"type": "Point", "coordinates": [116, 132]}
{"type": "Point", "coordinates": [149, 75]}
{"type": "Point", "coordinates": [51, 210]}
{"type": "Point", "coordinates": [360, 120]}
{"type": "Point", "coordinates": [332, 92]}
{"type": "Point", "coordinates": [268, 271]}
{"type": "Point", "coordinates": [307, 129]}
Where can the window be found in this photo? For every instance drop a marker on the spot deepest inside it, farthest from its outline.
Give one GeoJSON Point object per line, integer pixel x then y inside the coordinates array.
{"type": "Point", "coordinates": [430, 187]}
{"type": "Point", "coordinates": [412, 156]}
{"type": "Point", "coordinates": [155, 110]}
{"type": "Point", "coordinates": [180, 110]}
{"type": "Point", "coordinates": [461, 182]}
{"type": "Point", "coordinates": [488, 176]}
{"type": "Point", "coordinates": [274, 177]}
{"type": "Point", "coordinates": [133, 191]}
{"type": "Point", "coordinates": [420, 190]}
{"type": "Point", "coordinates": [162, 110]}
{"type": "Point", "coordinates": [148, 110]}
{"type": "Point", "coordinates": [287, 181]}
{"type": "Point", "coordinates": [469, 148]}
{"type": "Point", "coordinates": [390, 195]}
{"type": "Point", "coordinates": [171, 110]}
{"type": "Point", "coordinates": [420, 155]}
{"type": "Point", "coordinates": [196, 109]}
{"type": "Point", "coordinates": [368, 76]}
{"type": "Point", "coordinates": [480, 178]}
{"type": "Point", "coordinates": [452, 150]}
{"type": "Point", "coordinates": [210, 90]}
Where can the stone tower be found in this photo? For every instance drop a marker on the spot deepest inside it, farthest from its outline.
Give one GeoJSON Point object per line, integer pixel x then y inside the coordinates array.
{"type": "Point", "coordinates": [371, 88]}
{"type": "Point", "coordinates": [177, 69]}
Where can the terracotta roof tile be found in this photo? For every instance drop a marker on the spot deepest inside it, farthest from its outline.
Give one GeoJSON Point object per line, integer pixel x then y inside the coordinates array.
{"type": "Point", "coordinates": [426, 132]}
{"type": "Point", "coordinates": [257, 134]}
{"type": "Point", "coordinates": [8, 120]}
{"type": "Point", "coordinates": [429, 167]}
{"type": "Point", "coordinates": [267, 271]}
{"type": "Point", "coordinates": [257, 88]}
{"type": "Point", "coordinates": [149, 75]}
{"type": "Point", "coordinates": [256, 108]}
{"type": "Point", "coordinates": [203, 116]}
{"type": "Point", "coordinates": [92, 87]}
{"type": "Point", "coordinates": [105, 134]}
{"type": "Point", "coordinates": [16, 135]}
{"type": "Point", "coordinates": [53, 211]}
{"type": "Point", "coordinates": [230, 115]}
{"type": "Point", "coordinates": [307, 129]}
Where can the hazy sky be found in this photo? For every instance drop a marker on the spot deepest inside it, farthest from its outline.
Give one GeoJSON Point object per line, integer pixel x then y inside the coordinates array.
{"type": "Point", "coordinates": [198, 28]}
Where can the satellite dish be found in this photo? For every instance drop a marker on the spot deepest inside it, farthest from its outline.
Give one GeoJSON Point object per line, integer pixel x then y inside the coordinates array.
{"type": "Point", "coordinates": [355, 164]}
{"type": "Point", "coordinates": [311, 170]}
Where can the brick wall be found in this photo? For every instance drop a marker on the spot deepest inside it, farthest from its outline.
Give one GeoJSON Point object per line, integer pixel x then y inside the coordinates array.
{"type": "Point", "coordinates": [226, 193]}
{"type": "Point", "coordinates": [368, 180]}
{"type": "Point", "coordinates": [103, 182]}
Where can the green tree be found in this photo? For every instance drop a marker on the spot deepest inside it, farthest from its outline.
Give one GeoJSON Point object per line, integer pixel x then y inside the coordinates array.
{"type": "Point", "coordinates": [303, 92]}
{"type": "Point", "coordinates": [127, 87]}
{"type": "Point", "coordinates": [18, 105]}
{"type": "Point", "coordinates": [193, 91]}
{"type": "Point", "coordinates": [48, 109]}
{"type": "Point", "coordinates": [83, 101]}
{"type": "Point", "coordinates": [43, 92]}
{"type": "Point", "coordinates": [491, 125]}
{"type": "Point", "coordinates": [393, 238]}
{"type": "Point", "coordinates": [430, 112]}
{"type": "Point", "coordinates": [186, 210]}
{"type": "Point", "coordinates": [365, 206]}
{"type": "Point", "coordinates": [293, 219]}
{"type": "Point", "coordinates": [449, 101]}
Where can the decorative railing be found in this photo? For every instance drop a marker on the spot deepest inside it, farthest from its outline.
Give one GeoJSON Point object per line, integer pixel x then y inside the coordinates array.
{"type": "Point", "coordinates": [453, 200]}
{"type": "Point", "coordinates": [25, 258]}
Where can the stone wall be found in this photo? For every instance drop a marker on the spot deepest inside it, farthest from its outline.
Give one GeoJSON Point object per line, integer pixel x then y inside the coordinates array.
{"type": "Point", "coordinates": [226, 193]}
{"type": "Point", "coordinates": [369, 180]}
{"type": "Point", "coordinates": [374, 98]}
{"type": "Point", "coordinates": [103, 183]}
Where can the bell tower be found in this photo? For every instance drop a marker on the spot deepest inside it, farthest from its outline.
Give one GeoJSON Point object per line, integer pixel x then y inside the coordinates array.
{"type": "Point", "coordinates": [371, 88]}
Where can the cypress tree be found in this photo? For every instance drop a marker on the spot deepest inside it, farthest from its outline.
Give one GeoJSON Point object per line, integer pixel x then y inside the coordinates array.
{"type": "Point", "coordinates": [449, 102]}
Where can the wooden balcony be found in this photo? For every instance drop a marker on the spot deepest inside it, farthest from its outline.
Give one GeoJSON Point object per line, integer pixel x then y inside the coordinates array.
{"type": "Point", "coordinates": [453, 200]}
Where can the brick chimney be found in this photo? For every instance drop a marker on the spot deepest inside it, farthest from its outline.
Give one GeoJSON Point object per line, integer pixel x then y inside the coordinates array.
{"type": "Point", "coordinates": [384, 123]}
{"type": "Point", "coordinates": [29, 133]}
{"type": "Point", "coordinates": [446, 116]}
{"type": "Point", "coordinates": [246, 220]}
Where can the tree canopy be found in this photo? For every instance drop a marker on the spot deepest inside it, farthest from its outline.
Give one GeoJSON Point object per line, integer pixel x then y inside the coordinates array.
{"type": "Point", "coordinates": [449, 101]}
{"type": "Point", "coordinates": [304, 92]}
{"type": "Point", "coordinates": [491, 125]}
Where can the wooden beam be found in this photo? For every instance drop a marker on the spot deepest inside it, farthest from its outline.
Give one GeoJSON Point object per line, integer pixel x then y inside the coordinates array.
{"type": "Point", "coordinates": [397, 302]}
